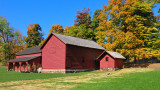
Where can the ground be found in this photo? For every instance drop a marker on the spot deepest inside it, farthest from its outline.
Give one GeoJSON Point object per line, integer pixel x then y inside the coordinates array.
{"type": "Point", "coordinates": [128, 78]}
{"type": "Point", "coordinates": [155, 66]}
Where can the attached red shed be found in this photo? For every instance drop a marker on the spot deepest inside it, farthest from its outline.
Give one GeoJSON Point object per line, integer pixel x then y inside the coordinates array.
{"type": "Point", "coordinates": [110, 60]}
{"type": "Point", "coordinates": [27, 60]}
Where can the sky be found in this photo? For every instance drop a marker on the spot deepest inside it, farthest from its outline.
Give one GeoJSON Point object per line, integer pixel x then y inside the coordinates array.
{"type": "Point", "coordinates": [20, 13]}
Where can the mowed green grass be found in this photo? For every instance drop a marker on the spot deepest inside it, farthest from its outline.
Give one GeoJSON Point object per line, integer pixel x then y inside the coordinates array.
{"type": "Point", "coordinates": [131, 81]}
{"type": "Point", "coordinates": [6, 76]}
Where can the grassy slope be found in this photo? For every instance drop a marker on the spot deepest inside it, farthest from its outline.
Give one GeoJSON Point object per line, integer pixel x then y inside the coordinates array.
{"type": "Point", "coordinates": [6, 76]}
{"type": "Point", "coordinates": [131, 81]}
{"type": "Point", "coordinates": [125, 79]}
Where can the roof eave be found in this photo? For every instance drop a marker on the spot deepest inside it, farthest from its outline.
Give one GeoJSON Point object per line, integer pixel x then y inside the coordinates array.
{"type": "Point", "coordinates": [101, 55]}
{"type": "Point", "coordinates": [46, 41]}
{"type": "Point", "coordinates": [120, 58]}
{"type": "Point", "coordinates": [85, 46]}
{"type": "Point", "coordinates": [26, 60]}
{"type": "Point", "coordinates": [27, 54]}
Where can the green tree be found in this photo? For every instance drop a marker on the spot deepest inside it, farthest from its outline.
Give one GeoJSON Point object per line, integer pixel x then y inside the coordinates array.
{"type": "Point", "coordinates": [82, 27]}
{"type": "Point", "coordinates": [9, 39]}
{"type": "Point", "coordinates": [72, 31]}
{"type": "Point", "coordinates": [96, 20]}
{"type": "Point", "coordinates": [79, 31]}
{"type": "Point", "coordinates": [35, 35]}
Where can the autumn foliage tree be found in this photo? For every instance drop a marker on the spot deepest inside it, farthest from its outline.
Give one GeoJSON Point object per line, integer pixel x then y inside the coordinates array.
{"type": "Point", "coordinates": [129, 27]}
{"type": "Point", "coordinates": [83, 17]}
{"type": "Point", "coordinates": [35, 35]}
{"type": "Point", "coordinates": [56, 29]}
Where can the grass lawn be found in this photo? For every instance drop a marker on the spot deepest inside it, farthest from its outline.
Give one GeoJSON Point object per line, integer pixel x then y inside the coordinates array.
{"type": "Point", "coordinates": [125, 79]}
{"type": "Point", "coordinates": [6, 76]}
{"type": "Point", "coordinates": [128, 81]}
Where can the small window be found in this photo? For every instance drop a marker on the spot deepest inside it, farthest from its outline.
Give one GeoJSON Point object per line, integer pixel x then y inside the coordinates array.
{"type": "Point", "coordinates": [106, 58]}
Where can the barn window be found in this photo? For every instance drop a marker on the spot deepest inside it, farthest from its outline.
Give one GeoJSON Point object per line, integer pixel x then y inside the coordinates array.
{"type": "Point", "coordinates": [106, 58]}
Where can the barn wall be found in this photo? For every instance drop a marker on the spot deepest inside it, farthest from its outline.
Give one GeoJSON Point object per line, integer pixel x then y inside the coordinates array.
{"type": "Point", "coordinates": [107, 64]}
{"type": "Point", "coordinates": [81, 57]}
{"type": "Point", "coordinates": [36, 54]}
{"type": "Point", "coordinates": [53, 54]}
{"type": "Point", "coordinates": [119, 63]}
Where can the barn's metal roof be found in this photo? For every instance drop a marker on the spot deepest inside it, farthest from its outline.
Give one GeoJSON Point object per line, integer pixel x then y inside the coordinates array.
{"type": "Point", "coordinates": [24, 58]}
{"type": "Point", "coordinates": [112, 54]}
{"type": "Point", "coordinates": [78, 41]}
{"type": "Point", "coordinates": [116, 54]}
{"type": "Point", "coordinates": [31, 50]}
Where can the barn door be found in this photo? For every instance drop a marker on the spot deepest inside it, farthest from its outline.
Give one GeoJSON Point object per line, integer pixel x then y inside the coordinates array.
{"type": "Point", "coordinates": [97, 64]}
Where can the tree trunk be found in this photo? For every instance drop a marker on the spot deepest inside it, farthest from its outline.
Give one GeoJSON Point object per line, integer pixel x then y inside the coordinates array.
{"type": "Point", "coordinates": [135, 60]}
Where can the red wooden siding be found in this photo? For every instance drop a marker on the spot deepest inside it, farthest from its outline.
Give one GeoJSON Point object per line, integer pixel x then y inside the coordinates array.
{"type": "Point", "coordinates": [53, 54]}
{"type": "Point", "coordinates": [36, 54]}
{"type": "Point", "coordinates": [81, 57]}
{"type": "Point", "coordinates": [118, 63]}
{"type": "Point", "coordinates": [107, 64]}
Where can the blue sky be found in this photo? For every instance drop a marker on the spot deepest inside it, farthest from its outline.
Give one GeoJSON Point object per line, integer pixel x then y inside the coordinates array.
{"type": "Point", "coordinates": [20, 13]}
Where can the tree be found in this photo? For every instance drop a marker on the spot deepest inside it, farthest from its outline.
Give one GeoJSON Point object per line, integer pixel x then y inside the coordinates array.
{"type": "Point", "coordinates": [81, 32]}
{"type": "Point", "coordinates": [66, 30]}
{"type": "Point", "coordinates": [16, 44]}
{"type": "Point", "coordinates": [10, 41]}
{"type": "Point", "coordinates": [83, 17]}
{"type": "Point", "coordinates": [96, 20]}
{"type": "Point", "coordinates": [72, 31]}
{"type": "Point", "coordinates": [82, 27]}
{"type": "Point", "coordinates": [129, 27]}
{"type": "Point", "coordinates": [56, 29]}
{"type": "Point", "coordinates": [86, 33]}
{"type": "Point", "coordinates": [35, 35]}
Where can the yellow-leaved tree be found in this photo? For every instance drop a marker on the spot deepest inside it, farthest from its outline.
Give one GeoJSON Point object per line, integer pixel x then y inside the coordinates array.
{"type": "Point", "coordinates": [128, 27]}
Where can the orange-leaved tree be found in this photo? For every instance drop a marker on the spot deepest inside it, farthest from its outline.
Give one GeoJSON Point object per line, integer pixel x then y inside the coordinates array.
{"type": "Point", "coordinates": [35, 35]}
{"type": "Point", "coordinates": [56, 28]}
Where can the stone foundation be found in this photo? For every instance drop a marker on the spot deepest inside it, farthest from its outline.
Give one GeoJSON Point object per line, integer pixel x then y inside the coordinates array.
{"type": "Point", "coordinates": [74, 70]}
{"type": "Point", "coordinates": [63, 70]}
{"type": "Point", "coordinates": [53, 71]}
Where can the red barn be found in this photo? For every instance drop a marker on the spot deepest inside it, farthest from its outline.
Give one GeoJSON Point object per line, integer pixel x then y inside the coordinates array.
{"type": "Point", "coordinates": [61, 53]}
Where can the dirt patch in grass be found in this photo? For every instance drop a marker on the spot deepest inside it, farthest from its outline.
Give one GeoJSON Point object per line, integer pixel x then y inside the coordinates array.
{"type": "Point", "coordinates": [66, 82]}
{"type": "Point", "coordinates": [155, 66]}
